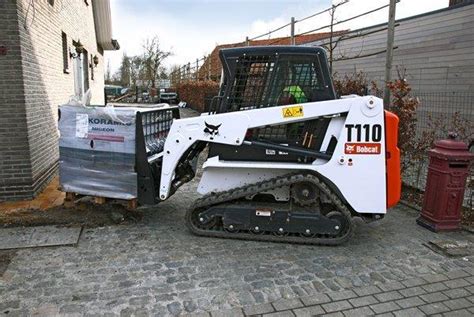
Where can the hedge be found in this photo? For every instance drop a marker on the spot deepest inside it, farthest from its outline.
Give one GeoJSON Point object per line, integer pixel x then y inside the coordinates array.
{"type": "Point", "coordinates": [197, 94]}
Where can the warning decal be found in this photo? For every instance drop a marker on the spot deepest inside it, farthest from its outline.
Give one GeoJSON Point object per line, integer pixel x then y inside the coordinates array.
{"type": "Point", "coordinates": [362, 148]}
{"type": "Point", "coordinates": [292, 112]}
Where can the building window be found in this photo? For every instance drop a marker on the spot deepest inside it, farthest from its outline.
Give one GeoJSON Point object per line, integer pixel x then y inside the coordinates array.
{"type": "Point", "coordinates": [85, 69]}
{"type": "Point", "coordinates": [65, 53]}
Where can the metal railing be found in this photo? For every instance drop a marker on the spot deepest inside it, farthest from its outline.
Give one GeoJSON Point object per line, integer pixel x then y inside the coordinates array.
{"type": "Point", "coordinates": [439, 113]}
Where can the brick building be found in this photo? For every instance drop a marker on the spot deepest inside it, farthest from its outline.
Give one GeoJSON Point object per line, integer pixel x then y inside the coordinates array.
{"type": "Point", "coordinates": [211, 67]}
{"type": "Point", "coordinates": [40, 68]}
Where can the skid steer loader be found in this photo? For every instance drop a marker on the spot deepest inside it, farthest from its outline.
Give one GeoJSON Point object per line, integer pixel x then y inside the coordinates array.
{"type": "Point", "coordinates": [287, 161]}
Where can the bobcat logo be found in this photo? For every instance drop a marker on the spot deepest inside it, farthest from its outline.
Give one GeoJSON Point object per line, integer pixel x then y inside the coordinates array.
{"type": "Point", "coordinates": [350, 148]}
{"type": "Point", "coordinates": [212, 130]}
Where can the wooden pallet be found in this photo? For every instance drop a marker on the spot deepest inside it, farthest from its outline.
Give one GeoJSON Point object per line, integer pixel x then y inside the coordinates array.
{"type": "Point", "coordinates": [70, 199]}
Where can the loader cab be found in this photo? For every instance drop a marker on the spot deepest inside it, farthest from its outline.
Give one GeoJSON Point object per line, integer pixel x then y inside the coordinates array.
{"type": "Point", "coordinates": [270, 76]}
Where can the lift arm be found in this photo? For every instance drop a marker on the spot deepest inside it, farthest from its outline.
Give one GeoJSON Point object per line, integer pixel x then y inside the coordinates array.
{"type": "Point", "coordinates": [230, 128]}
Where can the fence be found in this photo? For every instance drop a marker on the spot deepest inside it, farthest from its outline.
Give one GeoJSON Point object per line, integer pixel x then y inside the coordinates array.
{"type": "Point", "coordinates": [193, 71]}
{"type": "Point", "coordinates": [438, 114]}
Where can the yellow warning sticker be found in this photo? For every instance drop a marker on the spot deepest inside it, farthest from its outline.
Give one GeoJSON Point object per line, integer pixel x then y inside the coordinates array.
{"type": "Point", "coordinates": [292, 112]}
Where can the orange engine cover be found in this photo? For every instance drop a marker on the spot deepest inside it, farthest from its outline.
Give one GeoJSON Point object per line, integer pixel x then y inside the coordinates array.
{"type": "Point", "coordinates": [392, 157]}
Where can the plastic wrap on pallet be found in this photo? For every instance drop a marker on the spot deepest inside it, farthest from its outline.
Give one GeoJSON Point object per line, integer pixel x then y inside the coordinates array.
{"type": "Point", "coordinates": [97, 151]}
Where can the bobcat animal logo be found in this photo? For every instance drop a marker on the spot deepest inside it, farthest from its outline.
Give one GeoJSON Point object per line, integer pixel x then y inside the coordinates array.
{"type": "Point", "coordinates": [212, 130]}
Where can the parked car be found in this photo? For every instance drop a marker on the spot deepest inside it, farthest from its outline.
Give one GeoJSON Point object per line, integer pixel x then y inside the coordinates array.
{"type": "Point", "coordinates": [169, 97]}
{"type": "Point", "coordinates": [113, 91]}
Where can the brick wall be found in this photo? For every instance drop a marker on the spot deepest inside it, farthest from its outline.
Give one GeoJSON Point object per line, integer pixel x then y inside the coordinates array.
{"type": "Point", "coordinates": [36, 84]}
{"type": "Point", "coordinates": [15, 167]}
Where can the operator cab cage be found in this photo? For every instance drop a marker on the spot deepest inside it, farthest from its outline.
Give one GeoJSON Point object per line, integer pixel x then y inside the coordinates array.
{"type": "Point", "coordinates": [268, 76]}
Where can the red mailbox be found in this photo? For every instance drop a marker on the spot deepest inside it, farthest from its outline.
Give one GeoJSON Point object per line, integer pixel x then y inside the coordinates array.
{"type": "Point", "coordinates": [444, 192]}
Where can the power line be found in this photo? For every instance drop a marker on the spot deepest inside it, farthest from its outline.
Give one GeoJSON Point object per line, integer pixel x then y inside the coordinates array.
{"type": "Point", "coordinates": [320, 12]}
{"type": "Point", "coordinates": [346, 20]}
{"type": "Point", "coordinates": [276, 40]}
{"type": "Point", "coordinates": [300, 20]}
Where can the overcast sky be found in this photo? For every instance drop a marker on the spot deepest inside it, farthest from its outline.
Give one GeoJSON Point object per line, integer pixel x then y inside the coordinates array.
{"type": "Point", "coordinates": [192, 28]}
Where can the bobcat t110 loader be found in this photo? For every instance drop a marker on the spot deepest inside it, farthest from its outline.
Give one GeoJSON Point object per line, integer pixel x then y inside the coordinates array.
{"type": "Point", "coordinates": [287, 160]}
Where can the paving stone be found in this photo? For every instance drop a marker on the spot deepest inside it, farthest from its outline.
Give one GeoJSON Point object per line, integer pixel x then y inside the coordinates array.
{"type": "Point", "coordinates": [315, 299]}
{"type": "Point", "coordinates": [384, 307]}
{"type": "Point", "coordinates": [386, 315]}
{"type": "Point", "coordinates": [413, 282]}
{"type": "Point", "coordinates": [341, 295]}
{"type": "Point", "coordinates": [457, 274]}
{"type": "Point", "coordinates": [433, 278]}
{"type": "Point", "coordinates": [469, 270]}
{"type": "Point", "coordinates": [388, 296]}
{"type": "Point", "coordinates": [308, 311]}
{"type": "Point", "coordinates": [460, 282]}
{"type": "Point", "coordinates": [197, 314]}
{"type": "Point", "coordinates": [335, 314]}
{"type": "Point", "coordinates": [458, 313]}
{"type": "Point", "coordinates": [174, 308]}
{"type": "Point", "coordinates": [287, 303]}
{"type": "Point", "coordinates": [409, 312]}
{"type": "Point", "coordinates": [331, 285]}
{"type": "Point", "coordinates": [434, 287]}
{"type": "Point", "coordinates": [434, 297]}
{"type": "Point", "coordinates": [433, 308]}
{"type": "Point", "coordinates": [470, 298]}
{"type": "Point", "coordinates": [457, 292]}
{"type": "Point", "coordinates": [286, 313]}
{"type": "Point", "coordinates": [259, 309]}
{"type": "Point", "coordinates": [336, 306]}
{"type": "Point", "coordinates": [367, 290]}
{"type": "Point", "coordinates": [412, 291]}
{"type": "Point", "coordinates": [470, 288]}
{"type": "Point", "coordinates": [357, 312]}
{"type": "Point", "coordinates": [363, 301]}
{"type": "Point", "coordinates": [391, 286]}
{"type": "Point", "coordinates": [409, 302]}
{"type": "Point", "coordinates": [8, 305]}
{"type": "Point", "coordinates": [458, 303]}
{"type": "Point", "coordinates": [233, 312]}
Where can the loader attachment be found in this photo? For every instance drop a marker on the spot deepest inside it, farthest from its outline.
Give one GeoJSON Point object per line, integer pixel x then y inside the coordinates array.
{"type": "Point", "coordinates": [152, 128]}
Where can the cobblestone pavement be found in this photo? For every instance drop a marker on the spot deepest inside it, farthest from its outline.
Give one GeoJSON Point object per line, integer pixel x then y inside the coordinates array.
{"type": "Point", "coordinates": [156, 267]}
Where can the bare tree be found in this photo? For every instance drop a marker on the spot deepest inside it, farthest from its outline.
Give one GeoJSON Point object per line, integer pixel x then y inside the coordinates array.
{"type": "Point", "coordinates": [152, 59]}
{"type": "Point", "coordinates": [124, 71]}
{"type": "Point", "coordinates": [136, 69]}
{"type": "Point", "coordinates": [333, 43]}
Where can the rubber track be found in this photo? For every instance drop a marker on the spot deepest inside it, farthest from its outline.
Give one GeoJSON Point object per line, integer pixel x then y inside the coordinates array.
{"type": "Point", "coordinates": [213, 199]}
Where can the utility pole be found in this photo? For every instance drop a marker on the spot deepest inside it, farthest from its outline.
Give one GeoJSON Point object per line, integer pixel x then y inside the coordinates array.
{"type": "Point", "coordinates": [389, 56]}
{"type": "Point", "coordinates": [293, 42]}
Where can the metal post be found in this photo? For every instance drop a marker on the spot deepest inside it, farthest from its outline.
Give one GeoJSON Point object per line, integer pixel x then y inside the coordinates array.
{"type": "Point", "coordinates": [389, 56]}
{"type": "Point", "coordinates": [247, 42]}
{"type": "Point", "coordinates": [293, 42]}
